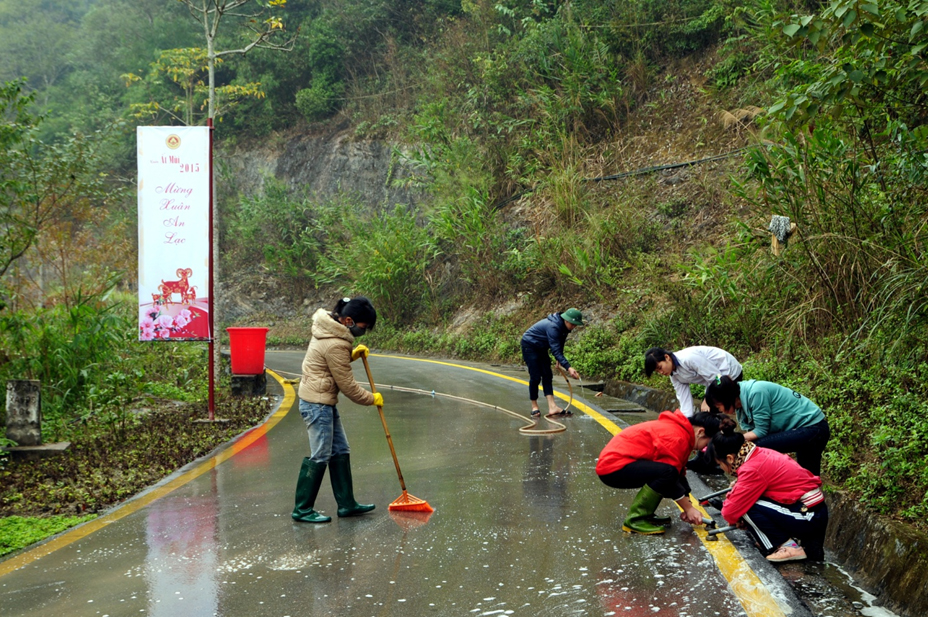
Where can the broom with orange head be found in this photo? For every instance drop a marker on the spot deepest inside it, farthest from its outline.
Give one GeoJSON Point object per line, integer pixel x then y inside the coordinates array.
{"type": "Point", "coordinates": [405, 502]}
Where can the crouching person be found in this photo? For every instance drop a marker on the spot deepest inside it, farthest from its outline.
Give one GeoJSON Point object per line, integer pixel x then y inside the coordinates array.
{"type": "Point", "coordinates": [776, 500]}
{"type": "Point", "coordinates": [652, 456]}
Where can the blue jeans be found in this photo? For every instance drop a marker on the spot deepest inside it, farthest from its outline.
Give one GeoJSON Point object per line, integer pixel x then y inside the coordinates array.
{"type": "Point", "coordinates": [326, 435]}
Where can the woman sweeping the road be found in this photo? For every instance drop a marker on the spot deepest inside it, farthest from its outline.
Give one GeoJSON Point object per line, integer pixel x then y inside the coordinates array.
{"type": "Point", "coordinates": [652, 455]}
{"type": "Point", "coordinates": [773, 497]}
{"type": "Point", "coordinates": [774, 417]}
{"type": "Point", "coordinates": [326, 372]}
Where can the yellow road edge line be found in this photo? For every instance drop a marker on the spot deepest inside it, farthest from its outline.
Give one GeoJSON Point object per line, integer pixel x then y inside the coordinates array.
{"type": "Point", "coordinates": [754, 596]}
{"type": "Point", "coordinates": [136, 504]}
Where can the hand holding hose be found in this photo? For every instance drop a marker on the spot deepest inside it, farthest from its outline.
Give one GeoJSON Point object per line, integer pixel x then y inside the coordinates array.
{"type": "Point", "coordinates": [378, 399]}
{"type": "Point", "coordinates": [571, 371]}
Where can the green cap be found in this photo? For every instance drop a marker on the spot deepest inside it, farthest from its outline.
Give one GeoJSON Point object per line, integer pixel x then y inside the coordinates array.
{"type": "Point", "coordinates": [573, 316]}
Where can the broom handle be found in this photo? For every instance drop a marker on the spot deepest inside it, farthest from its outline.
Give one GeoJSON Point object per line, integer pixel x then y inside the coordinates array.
{"type": "Point", "coordinates": [383, 421]}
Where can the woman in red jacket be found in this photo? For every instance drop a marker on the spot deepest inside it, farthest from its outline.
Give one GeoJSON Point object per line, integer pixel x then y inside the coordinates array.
{"type": "Point", "coordinates": [652, 455]}
{"type": "Point", "coordinates": [774, 498]}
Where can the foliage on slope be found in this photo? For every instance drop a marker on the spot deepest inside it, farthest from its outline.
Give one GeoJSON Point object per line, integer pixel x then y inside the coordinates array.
{"type": "Point", "coordinates": [531, 100]}
{"type": "Point", "coordinates": [512, 107]}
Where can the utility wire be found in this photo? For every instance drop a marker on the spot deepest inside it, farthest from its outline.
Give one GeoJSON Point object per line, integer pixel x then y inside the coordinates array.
{"type": "Point", "coordinates": [648, 170]}
{"type": "Point", "coordinates": [635, 172]}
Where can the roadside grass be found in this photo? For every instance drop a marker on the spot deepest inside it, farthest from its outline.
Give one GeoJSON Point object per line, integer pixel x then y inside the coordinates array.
{"type": "Point", "coordinates": [107, 464]}
{"type": "Point", "coordinates": [18, 532]}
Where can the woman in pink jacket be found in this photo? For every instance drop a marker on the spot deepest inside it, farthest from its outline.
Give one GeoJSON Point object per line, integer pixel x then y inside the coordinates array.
{"type": "Point", "coordinates": [774, 498]}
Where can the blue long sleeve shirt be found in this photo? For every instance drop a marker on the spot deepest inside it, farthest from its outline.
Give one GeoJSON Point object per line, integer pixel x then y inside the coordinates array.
{"type": "Point", "coordinates": [549, 333]}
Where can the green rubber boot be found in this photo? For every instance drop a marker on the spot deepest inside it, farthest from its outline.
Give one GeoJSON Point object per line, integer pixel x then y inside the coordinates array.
{"type": "Point", "coordinates": [340, 474]}
{"type": "Point", "coordinates": [307, 487]}
{"type": "Point", "coordinates": [646, 502]}
{"type": "Point", "coordinates": [666, 521]}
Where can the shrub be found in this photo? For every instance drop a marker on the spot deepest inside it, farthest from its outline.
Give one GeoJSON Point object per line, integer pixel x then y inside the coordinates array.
{"type": "Point", "coordinates": [269, 227]}
{"type": "Point", "coordinates": [600, 351]}
{"type": "Point", "coordinates": [18, 532]}
{"type": "Point", "coordinates": [90, 363]}
{"type": "Point", "coordinates": [320, 100]}
{"type": "Point", "coordinates": [384, 256]}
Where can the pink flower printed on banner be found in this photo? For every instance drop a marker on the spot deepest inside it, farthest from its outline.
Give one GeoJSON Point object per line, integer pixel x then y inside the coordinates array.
{"type": "Point", "coordinates": [183, 318]}
{"type": "Point", "coordinates": [155, 325]}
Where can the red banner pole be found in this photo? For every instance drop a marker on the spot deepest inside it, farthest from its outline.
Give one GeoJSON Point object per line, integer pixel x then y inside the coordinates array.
{"type": "Point", "coordinates": [212, 297]}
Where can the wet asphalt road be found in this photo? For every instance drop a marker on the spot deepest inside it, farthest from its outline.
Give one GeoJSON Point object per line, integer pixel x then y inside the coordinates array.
{"type": "Point", "coordinates": [522, 525]}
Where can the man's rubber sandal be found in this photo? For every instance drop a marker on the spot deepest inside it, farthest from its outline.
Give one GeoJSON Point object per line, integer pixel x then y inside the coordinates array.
{"type": "Point", "coordinates": [536, 413]}
{"type": "Point", "coordinates": [559, 413]}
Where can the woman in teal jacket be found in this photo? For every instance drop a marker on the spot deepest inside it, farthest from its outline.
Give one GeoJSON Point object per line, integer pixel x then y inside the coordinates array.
{"type": "Point", "coordinates": [774, 417]}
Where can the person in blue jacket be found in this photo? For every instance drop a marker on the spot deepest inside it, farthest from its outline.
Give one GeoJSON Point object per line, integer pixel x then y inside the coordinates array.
{"type": "Point", "coordinates": [546, 335]}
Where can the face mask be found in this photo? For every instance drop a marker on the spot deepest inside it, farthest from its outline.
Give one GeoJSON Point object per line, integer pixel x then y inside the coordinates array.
{"type": "Point", "coordinates": [356, 330]}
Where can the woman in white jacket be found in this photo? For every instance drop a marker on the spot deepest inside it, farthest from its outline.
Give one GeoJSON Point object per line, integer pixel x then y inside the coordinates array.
{"type": "Point", "coordinates": [693, 365]}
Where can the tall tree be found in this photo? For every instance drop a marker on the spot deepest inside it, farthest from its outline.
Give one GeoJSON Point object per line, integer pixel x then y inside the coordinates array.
{"type": "Point", "coordinates": [36, 48]}
{"type": "Point", "coordinates": [184, 69]}
{"type": "Point", "coordinates": [261, 28]}
{"type": "Point", "coordinates": [39, 183]}
{"type": "Point", "coordinates": [254, 16]}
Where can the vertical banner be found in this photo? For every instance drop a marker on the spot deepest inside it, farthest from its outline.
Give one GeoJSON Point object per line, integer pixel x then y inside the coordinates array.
{"type": "Point", "coordinates": [173, 191]}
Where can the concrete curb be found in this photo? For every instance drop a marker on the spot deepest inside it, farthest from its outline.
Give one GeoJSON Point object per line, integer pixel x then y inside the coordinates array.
{"type": "Point", "coordinates": [649, 398]}
{"type": "Point", "coordinates": [889, 558]}
{"type": "Point", "coordinates": [27, 555]}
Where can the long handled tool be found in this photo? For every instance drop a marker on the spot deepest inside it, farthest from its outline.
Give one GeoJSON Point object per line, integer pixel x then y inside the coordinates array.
{"type": "Point", "coordinates": [712, 534]}
{"type": "Point", "coordinates": [404, 502]}
{"type": "Point", "coordinates": [566, 411]}
{"type": "Point", "coordinates": [703, 500]}
{"type": "Point", "coordinates": [713, 530]}
{"type": "Point", "coordinates": [714, 499]}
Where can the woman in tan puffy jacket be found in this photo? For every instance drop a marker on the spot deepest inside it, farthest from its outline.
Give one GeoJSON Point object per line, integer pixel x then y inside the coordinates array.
{"type": "Point", "coordinates": [326, 372]}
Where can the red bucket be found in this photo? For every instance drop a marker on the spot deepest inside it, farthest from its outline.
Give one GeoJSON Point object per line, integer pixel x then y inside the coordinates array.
{"type": "Point", "coordinates": [246, 346]}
